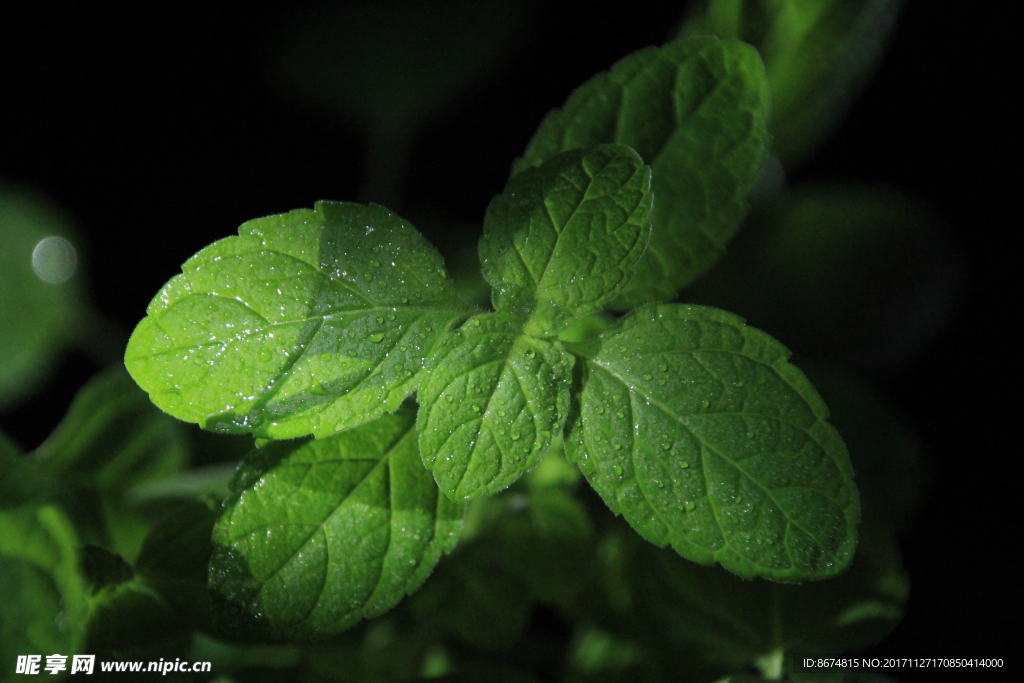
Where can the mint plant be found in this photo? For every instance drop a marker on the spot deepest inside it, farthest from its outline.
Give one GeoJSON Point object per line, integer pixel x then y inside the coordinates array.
{"type": "Point", "coordinates": [583, 444]}
{"type": "Point", "coordinates": [690, 424]}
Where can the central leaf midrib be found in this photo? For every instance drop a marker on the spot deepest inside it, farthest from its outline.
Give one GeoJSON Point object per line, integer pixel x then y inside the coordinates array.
{"type": "Point", "coordinates": [384, 460]}
{"type": "Point", "coordinates": [680, 419]}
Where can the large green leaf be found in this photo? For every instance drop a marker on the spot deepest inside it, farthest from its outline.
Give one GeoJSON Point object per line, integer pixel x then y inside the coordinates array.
{"type": "Point", "coordinates": [308, 322]}
{"type": "Point", "coordinates": [39, 300]}
{"type": "Point", "coordinates": [44, 607]}
{"type": "Point", "coordinates": [323, 533]}
{"type": "Point", "coordinates": [696, 112]}
{"type": "Point", "coordinates": [817, 54]}
{"type": "Point", "coordinates": [492, 403]}
{"type": "Point", "coordinates": [697, 429]}
{"type": "Point", "coordinates": [564, 238]}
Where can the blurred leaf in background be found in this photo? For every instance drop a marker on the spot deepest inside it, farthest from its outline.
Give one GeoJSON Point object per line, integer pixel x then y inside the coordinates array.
{"type": "Point", "coordinates": [864, 276]}
{"type": "Point", "coordinates": [45, 603]}
{"type": "Point", "coordinates": [391, 66]}
{"type": "Point", "coordinates": [40, 280]}
{"type": "Point", "coordinates": [818, 54]}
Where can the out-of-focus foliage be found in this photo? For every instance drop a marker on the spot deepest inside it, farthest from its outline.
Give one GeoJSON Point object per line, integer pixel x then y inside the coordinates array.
{"type": "Point", "coordinates": [818, 54]}
{"type": "Point", "coordinates": [39, 290]}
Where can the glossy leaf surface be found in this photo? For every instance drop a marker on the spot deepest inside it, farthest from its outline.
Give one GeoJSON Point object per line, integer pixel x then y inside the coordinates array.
{"type": "Point", "coordinates": [307, 322]}
{"type": "Point", "coordinates": [696, 429]}
{"type": "Point", "coordinates": [564, 238]}
{"type": "Point", "coordinates": [696, 112]}
{"type": "Point", "coordinates": [323, 533]}
{"type": "Point", "coordinates": [491, 405]}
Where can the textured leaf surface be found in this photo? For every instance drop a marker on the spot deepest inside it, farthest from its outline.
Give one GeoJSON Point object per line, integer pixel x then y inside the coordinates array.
{"type": "Point", "coordinates": [697, 430]}
{"type": "Point", "coordinates": [696, 112]}
{"type": "Point", "coordinates": [307, 322]}
{"type": "Point", "coordinates": [44, 607]}
{"type": "Point", "coordinates": [323, 533]}
{"type": "Point", "coordinates": [564, 238]}
{"type": "Point", "coordinates": [491, 405]}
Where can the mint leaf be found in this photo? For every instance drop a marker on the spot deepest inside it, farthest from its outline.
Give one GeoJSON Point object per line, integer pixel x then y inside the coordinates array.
{"type": "Point", "coordinates": [323, 533]}
{"type": "Point", "coordinates": [112, 438]}
{"type": "Point", "coordinates": [696, 112]}
{"type": "Point", "coordinates": [39, 295]}
{"type": "Point", "coordinates": [491, 405]}
{"type": "Point", "coordinates": [697, 430]}
{"type": "Point", "coordinates": [817, 53]}
{"type": "Point", "coordinates": [45, 604]}
{"type": "Point", "coordinates": [308, 322]}
{"type": "Point", "coordinates": [563, 239]}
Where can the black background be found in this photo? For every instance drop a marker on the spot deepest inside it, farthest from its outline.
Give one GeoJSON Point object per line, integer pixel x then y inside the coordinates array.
{"type": "Point", "coordinates": [157, 131]}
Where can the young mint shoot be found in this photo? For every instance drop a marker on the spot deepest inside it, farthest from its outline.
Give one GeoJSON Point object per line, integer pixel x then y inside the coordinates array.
{"type": "Point", "coordinates": [691, 425]}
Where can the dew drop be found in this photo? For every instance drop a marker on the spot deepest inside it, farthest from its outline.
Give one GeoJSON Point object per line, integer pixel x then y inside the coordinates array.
{"type": "Point", "coordinates": [375, 263]}
{"type": "Point", "coordinates": [647, 377]}
{"type": "Point", "coordinates": [376, 337]}
{"type": "Point", "coordinates": [529, 353]}
{"type": "Point", "coordinates": [368, 276]}
{"type": "Point", "coordinates": [689, 506]}
{"type": "Point", "coordinates": [663, 367]}
{"type": "Point", "coordinates": [265, 355]}
{"type": "Point", "coordinates": [600, 410]}
{"type": "Point", "coordinates": [666, 446]}
{"type": "Point", "coordinates": [685, 465]}
{"type": "Point", "coordinates": [705, 403]}
{"type": "Point", "coordinates": [617, 470]}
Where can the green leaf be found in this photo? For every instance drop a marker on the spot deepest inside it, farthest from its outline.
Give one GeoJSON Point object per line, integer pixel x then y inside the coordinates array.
{"type": "Point", "coordinates": [39, 295]}
{"type": "Point", "coordinates": [491, 405]}
{"type": "Point", "coordinates": [817, 53]}
{"type": "Point", "coordinates": [323, 533]}
{"type": "Point", "coordinates": [113, 438]}
{"type": "Point", "coordinates": [564, 238]}
{"type": "Point", "coordinates": [476, 599]}
{"type": "Point", "coordinates": [308, 322]}
{"type": "Point", "coordinates": [45, 605]}
{"type": "Point", "coordinates": [697, 430]}
{"type": "Point", "coordinates": [696, 112]}
{"type": "Point", "coordinates": [21, 480]}
{"type": "Point", "coordinates": [174, 561]}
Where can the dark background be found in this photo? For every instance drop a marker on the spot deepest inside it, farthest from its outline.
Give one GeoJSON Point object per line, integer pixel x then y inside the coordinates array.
{"type": "Point", "coordinates": [158, 131]}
